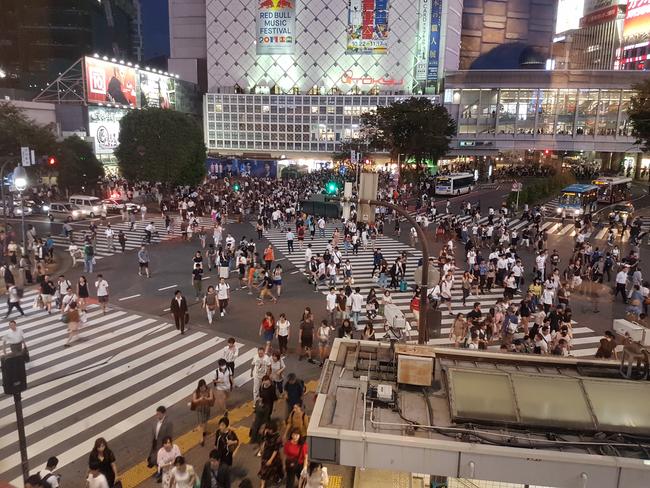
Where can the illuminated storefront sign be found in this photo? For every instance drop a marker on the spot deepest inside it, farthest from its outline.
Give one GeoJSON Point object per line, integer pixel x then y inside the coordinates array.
{"type": "Point", "coordinates": [434, 41]}
{"type": "Point", "coordinates": [104, 127]}
{"type": "Point", "coordinates": [367, 27]}
{"type": "Point", "coordinates": [600, 16]}
{"type": "Point", "coordinates": [348, 78]}
{"type": "Point", "coordinates": [276, 26]}
{"type": "Point", "coordinates": [637, 18]}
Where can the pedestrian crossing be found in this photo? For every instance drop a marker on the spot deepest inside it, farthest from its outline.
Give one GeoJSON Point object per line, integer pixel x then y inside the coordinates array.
{"type": "Point", "coordinates": [109, 381]}
{"type": "Point", "coordinates": [585, 340]}
{"type": "Point", "coordinates": [134, 236]}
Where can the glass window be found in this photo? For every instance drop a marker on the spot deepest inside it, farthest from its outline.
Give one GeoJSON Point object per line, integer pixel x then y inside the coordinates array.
{"type": "Point", "coordinates": [587, 108]}
{"type": "Point", "coordinates": [547, 109]}
{"type": "Point", "coordinates": [526, 109]}
{"type": "Point", "coordinates": [608, 105]}
{"type": "Point", "coordinates": [566, 109]}
{"type": "Point", "coordinates": [487, 111]}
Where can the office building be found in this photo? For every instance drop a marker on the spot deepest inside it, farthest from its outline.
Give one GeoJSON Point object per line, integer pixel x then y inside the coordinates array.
{"type": "Point", "coordinates": [41, 38]}
{"type": "Point", "coordinates": [187, 40]}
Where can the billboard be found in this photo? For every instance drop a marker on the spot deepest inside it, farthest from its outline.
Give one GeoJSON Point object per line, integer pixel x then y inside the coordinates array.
{"type": "Point", "coordinates": [568, 15]}
{"type": "Point", "coordinates": [434, 41]}
{"type": "Point", "coordinates": [422, 44]}
{"type": "Point", "coordinates": [155, 90]}
{"type": "Point", "coordinates": [367, 27]}
{"type": "Point", "coordinates": [637, 18]}
{"type": "Point", "coordinates": [110, 83]}
{"type": "Point", "coordinates": [276, 26]}
{"type": "Point", "coordinates": [599, 16]}
{"type": "Point", "coordinates": [104, 127]}
{"type": "Point", "coordinates": [227, 167]}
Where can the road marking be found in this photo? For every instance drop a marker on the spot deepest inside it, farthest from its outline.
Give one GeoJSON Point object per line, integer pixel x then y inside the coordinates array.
{"type": "Point", "coordinates": [166, 309]}
{"type": "Point", "coordinates": [127, 298]}
{"type": "Point", "coordinates": [205, 278]}
{"type": "Point", "coordinates": [167, 287]}
{"type": "Point", "coordinates": [295, 272]}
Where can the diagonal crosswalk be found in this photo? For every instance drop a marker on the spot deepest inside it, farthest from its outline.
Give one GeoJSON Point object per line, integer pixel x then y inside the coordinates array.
{"type": "Point", "coordinates": [122, 367]}
{"type": "Point", "coordinates": [586, 340]}
{"type": "Point", "coordinates": [134, 237]}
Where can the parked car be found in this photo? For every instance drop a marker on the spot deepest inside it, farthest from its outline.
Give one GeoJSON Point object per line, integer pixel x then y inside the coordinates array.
{"type": "Point", "coordinates": [15, 210]}
{"type": "Point", "coordinates": [89, 206]}
{"type": "Point", "coordinates": [64, 211]}
{"type": "Point", "coordinates": [114, 206]}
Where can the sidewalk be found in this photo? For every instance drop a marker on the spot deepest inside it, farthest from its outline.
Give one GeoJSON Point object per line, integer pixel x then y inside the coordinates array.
{"type": "Point", "coordinates": [246, 463]}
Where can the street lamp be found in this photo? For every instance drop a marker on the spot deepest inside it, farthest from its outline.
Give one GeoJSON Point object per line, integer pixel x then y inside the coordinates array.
{"type": "Point", "coordinates": [20, 183]}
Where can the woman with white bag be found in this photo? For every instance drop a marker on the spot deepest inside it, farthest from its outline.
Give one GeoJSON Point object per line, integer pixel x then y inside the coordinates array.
{"type": "Point", "coordinates": [314, 476]}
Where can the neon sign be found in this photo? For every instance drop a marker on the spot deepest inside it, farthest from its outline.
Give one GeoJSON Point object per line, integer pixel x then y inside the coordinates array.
{"type": "Point", "coordinates": [349, 79]}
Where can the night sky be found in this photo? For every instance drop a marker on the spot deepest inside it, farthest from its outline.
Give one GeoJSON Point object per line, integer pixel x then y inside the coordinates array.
{"type": "Point", "coordinates": [155, 28]}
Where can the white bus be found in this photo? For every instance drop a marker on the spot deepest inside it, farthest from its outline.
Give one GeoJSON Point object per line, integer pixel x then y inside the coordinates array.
{"type": "Point", "coordinates": [613, 189]}
{"type": "Point", "coordinates": [455, 184]}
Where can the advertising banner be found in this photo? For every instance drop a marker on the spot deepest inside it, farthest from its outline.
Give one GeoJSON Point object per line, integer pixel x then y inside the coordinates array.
{"type": "Point", "coordinates": [600, 16]}
{"type": "Point", "coordinates": [367, 27]}
{"type": "Point", "coordinates": [276, 26]}
{"type": "Point", "coordinates": [434, 41]}
{"type": "Point", "coordinates": [596, 5]}
{"type": "Point", "coordinates": [222, 167]}
{"type": "Point", "coordinates": [637, 18]}
{"type": "Point", "coordinates": [422, 45]}
{"type": "Point", "coordinates": [104, 127]}
{"type": "Point", "coordinates": [156, 90]}
{"type": "Point", "coordinates": [110, 83]}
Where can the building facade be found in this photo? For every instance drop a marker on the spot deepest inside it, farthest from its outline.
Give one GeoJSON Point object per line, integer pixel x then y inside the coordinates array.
{"type": "Point", "coordinates": [187, 41]}
{"type": "Point", "coordinates": [41, 38]}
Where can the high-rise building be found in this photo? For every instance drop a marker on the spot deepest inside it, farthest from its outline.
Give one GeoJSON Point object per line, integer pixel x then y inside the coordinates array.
{"type": "Point", "coordinates": [634, 52]}
{"type": "Point", "coordinates": [41, 38]}
{"type": "Point", "coordinates": [506, 33]}
{"type": "Point", "coordinates": [187, 40]}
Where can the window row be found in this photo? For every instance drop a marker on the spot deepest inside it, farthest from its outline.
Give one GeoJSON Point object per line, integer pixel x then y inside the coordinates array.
{"type": "Point", "coordinates": [311, 147]}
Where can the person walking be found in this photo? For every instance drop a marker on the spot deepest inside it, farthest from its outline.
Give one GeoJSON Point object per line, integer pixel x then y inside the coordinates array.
{"type": "Point", "coordinates": [260, 367]}
{"type": "Point", "coordinates": [105, 460]}
{"type": "Point", "coordinates": [182, 474]}
{"type": "Point", "coordinates": [223, 295]}
{"type": "Point", "coordinates": [269, 257]}
{"type": "Point", "coordinates": [121, 238]}
{"type": "Point", "coordinates": [110, 236]}
{"type": "Point", "coordinates": [179, 311]}
{"type": "Point", "coordinates": [271, 472]}
{"type": "Point", "coordinates": [267, 330]}
{"type": "Point", "coordinates": [82, 292]}
{"type": "Point", "coordinates": [226, 442]}
{"type": "Point", "coordinates": [163, 428]}
{"type": "Point", "coordinates": [143, 261]}
{"type": "Point", "coordinates": [13, 300]}
{"type": "Point", "coordinates": [290, 238]}
{"type": "Point", "coordinates": [72, 317]}
{"type": "Point", "coordinates": [295, 457]}
{"type": "Point", "coordinates": [210, 303]}
{"type": "Point", "coordinates": [95, 478]}
{"type": "Point", "coordinates": [283, 327]}
{"type": "Point", "coordinates": [89, 257]}
{"type": "Point", "coordinates": [215, 472]}
{"type": "Point", "coordinates": [15, 339]}
{"type": "Point", "coordinates": [277, 371]}
{"type": "Point", "coordinates": [265, 287]}
{"type": "Point", "coordinates": [166, 457]}
{"type": "Point", "coordinates": [230, 354]}
{"type": "Point", "coordinates": [223, 384]}
{"type": "Point", "coordinates": [202, 401]}
{"type": "Point", "coordinates": [306, 335]}
{"type": "Point", "coordinates": [102, 292]}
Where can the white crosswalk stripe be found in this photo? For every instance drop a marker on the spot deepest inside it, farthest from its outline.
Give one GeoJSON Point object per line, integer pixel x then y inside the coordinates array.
{"type": "Point", "coordinates": [134, 238]}
{"type": "Point", "coordinates": [122, 367]}
{"type": "Point", "coordinates": [391, 248]}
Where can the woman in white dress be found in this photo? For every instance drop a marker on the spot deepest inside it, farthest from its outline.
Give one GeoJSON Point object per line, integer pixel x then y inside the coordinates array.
{"type": "Point", "coordinates": [165, 459]}
{"type": "Point", "coordinates": [182, 474]}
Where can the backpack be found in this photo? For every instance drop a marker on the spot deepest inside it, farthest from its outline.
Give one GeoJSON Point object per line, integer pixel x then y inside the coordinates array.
{"type": "Point", "coordinates": [90, 251]}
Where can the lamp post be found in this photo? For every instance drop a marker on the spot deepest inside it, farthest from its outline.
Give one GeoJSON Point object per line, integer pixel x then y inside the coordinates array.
{"type": "Point", "coordinates": [20, 183]}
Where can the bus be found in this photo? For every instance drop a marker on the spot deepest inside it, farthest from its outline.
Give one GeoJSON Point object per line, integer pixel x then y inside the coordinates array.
{"type": "Point", "coordinates": [612, 189]}
{"type": "Point", "coordinates": [577, 200]}
{"type": "Point", "coordinates": [455, 184]}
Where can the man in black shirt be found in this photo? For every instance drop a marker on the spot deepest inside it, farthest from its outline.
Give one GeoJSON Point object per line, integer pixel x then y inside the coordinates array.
{"type": "Point", "coordinates": [216, 473]}
{"type": "Point", "coordinates": [474, 315]}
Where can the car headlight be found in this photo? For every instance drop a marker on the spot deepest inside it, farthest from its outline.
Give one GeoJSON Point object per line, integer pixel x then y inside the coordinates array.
{"type": "Point", "coordinates": [558, 210]}
{"type": "Point", "coordinates": [578, 212]}
{"type": "Point", "coordinates": [95, 209]}
{"type": "Point", "coordinates": [18, 211]}
{"type": "Point", "coordinates": [75, 213]}
{"type": "Point", "coordinates": [46, 208]}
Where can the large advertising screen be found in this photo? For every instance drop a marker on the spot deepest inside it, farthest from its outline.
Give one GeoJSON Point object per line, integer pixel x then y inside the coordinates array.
{"type": "Point", "coordinates": [229, 167]}
{"type": "Point", "coordinates": [637, 18]}
{"type": "Point", "coordinates": [434, 41]}
{"type": "Point", "coordinates": [110, 82]}
{"type": "Point", "coordinates": [367, 27]}
{"type": "Point", "coordinates": [156, 90]}
{"type": "Point", "coordinates": [104, 127]}
{"type": "Point", "coordinates": [276, 26]}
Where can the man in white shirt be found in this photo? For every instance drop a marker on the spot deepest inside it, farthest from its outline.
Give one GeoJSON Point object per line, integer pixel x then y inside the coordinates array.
{"type": "Point", "coordinates": [540, 264]}
{"type": "Point", "coordinates": [230, 353]}
{"type": "Point", "coordinates": [356, 305]}
{"type": "Point", "coordinates": [110, 234]}
{"type": "Point", "coordinates": [48, 477]}
{"type": "Point", "coordinates": [308, 254]}
{"type": "Point", "coordinates": [102, 292]}
{"type": "Point", "coordinates": [621, 283]}
{"type": "Point", "coordinates": [260, 367]}
{"type": "Point", "coordinates": [67, 299]}
{"type": "Point", "coordinates": [330, 300]}
{"type": "Point", "coordinates": [321, 227]}
{"type": "Point", "coordinates": [14, 338]}
{"type": "Point", "coordinates": [223, 295]}
{"type": "Point", "coordinates": [95, 478]}
{"type": "Point", "coordinates": [290, 237]}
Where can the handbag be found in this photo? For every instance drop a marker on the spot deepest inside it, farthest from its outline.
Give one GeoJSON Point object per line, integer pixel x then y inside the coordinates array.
{"type": "Point", "coordinates": [187, 317]}
{"type": "Point", "coordinates": [25, 353]}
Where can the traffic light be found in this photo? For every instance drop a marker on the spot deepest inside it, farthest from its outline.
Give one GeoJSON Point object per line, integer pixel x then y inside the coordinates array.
{"type": "Point", "coordinates": [546, 152]}
{"type": "Point", "coordinates": [332, 188]}
{"type": "Point", "coordinates": [51, 160]}
{"type": "Point", "coordinates": [236, 187]}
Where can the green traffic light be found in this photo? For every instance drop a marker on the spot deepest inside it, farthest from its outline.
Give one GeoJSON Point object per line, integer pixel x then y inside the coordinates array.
{"type": "Point", "coordinates": [235, 187]}
{"type": "Point", "coordinates": [332, 187]}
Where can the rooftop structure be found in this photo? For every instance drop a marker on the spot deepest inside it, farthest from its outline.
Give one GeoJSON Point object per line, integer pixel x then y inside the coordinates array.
{"type": "Point", "coordinates": [558, 422]}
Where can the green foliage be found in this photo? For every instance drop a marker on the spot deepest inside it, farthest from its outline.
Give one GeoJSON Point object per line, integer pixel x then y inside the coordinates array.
{"type": "Point", "coordinates": [17, 130]}
{"type": "Point", "coordinates": [77, 166]}
{"type": "Point", "coordinates": [416, 128]}
{"type": "Point", "coordinates": [537, 191]}
{"type": "Point", "coordinates": [639, 113]}
{"type": "Point", "coordinates": [161, 145]}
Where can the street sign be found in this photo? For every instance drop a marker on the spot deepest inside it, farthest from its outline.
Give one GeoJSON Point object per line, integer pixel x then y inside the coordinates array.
{"type": "Point", "coordinates": [33, 158]}
{"type": "Point", "coordinates": [25, 156]}
{"type": "Point", "coordinates": [516, 186]}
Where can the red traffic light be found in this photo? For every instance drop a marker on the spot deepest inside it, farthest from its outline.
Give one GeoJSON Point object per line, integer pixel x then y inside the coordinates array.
{"type": "Point", "coordinates": [51, 161]}
{"type": "Point", "coordinates": [546, 152]}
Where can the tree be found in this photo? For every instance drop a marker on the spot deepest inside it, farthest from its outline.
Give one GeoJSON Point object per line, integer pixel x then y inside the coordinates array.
{"type": "Point", "coordinates": [16, 130]}
{"type": "Point", "coordinates": [416, 128]}
{"type": "Point", "coordinates": [161, 145]}
{"type": "Point", "coordinates": [639, 113]}
{"type": "Point", "coordinates": [78, 168]}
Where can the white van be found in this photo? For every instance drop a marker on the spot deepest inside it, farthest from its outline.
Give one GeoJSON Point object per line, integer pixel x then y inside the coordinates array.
{"type": "Point", "coordinates": [89, 206]}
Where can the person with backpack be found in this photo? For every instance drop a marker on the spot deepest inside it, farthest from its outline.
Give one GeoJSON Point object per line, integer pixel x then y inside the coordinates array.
{"type": "Point", "coordinates": [49, 478]}
{"type": "Point", "coordinates": [89, 257]}
{"type": "Point", "coordinates": [265, 287]}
